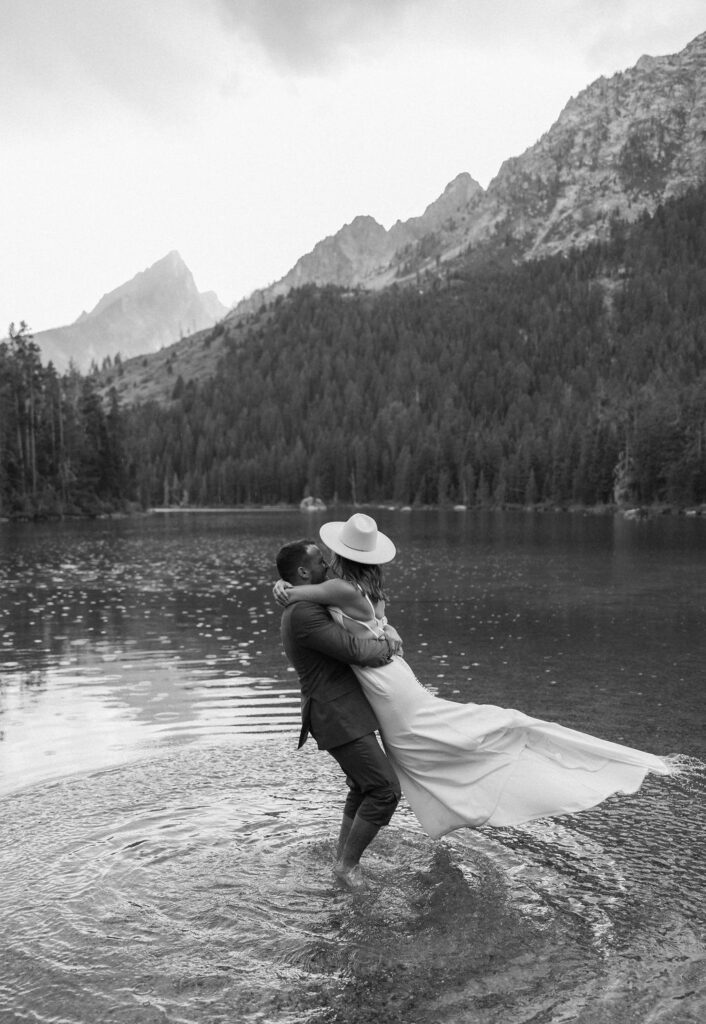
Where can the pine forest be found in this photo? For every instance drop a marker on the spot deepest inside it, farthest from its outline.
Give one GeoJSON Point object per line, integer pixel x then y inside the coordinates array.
{"type": "Point", "coordinates": [578, 380]}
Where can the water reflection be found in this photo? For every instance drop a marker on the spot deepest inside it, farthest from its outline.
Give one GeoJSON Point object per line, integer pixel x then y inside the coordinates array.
{"type": "Point", "coordinates": [78, 716]}
{"type": "Point", "coordinates": [166, 851]}
{"type": "Point", "coordinates": [593, 621]}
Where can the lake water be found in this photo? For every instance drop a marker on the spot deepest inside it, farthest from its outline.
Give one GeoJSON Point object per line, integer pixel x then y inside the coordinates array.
{"type": "Point", "coordinates": [166, 851]}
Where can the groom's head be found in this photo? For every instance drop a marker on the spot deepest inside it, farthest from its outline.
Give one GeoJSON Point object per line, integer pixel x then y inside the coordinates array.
{"type": "Point", "coordinates": [301, 562]}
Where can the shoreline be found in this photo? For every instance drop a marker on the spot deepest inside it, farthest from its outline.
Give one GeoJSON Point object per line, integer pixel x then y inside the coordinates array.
{"type": "Point", "coordinates": [631, 512]}
{"type": "Point", "coordinates": [637, 512]}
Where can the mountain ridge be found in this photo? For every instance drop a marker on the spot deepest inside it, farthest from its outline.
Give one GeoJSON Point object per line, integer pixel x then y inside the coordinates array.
{"type": "Point", "coordinates": [574, 380]}
{"type": "Point", "coordinates": [364, 246]}
{"type": "Point", "coordinates": [619, 147]}
{"type": "Point", "coordinates": [152, 310]}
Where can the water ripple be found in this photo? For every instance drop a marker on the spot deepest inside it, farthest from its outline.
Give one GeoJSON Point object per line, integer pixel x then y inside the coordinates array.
{"type": "Point", "coordinates": [166, 854]}
{"type": "Point", "coordinates": [196, 886]}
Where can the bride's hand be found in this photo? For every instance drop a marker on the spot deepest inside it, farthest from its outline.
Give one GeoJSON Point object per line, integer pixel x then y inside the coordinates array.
{"type": "Point", "coordinates": [280, 594]}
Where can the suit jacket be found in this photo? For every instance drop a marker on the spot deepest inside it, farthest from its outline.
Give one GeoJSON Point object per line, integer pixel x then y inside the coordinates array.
{"type": "Point", "coordinates": [334, 708]}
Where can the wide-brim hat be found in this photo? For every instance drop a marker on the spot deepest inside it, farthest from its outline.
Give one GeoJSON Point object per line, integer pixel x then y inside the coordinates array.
{"type": "Point", "coordinates": [359, 540]}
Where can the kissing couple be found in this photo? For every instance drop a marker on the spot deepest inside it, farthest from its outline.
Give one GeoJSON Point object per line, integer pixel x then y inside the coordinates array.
{"type": "Point", "coordinates": [458, 765]}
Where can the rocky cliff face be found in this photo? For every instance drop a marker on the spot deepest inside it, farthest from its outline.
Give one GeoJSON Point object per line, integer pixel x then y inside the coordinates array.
{"type": "Point", "coordinates": [619, 148]}
{"type": "Point", "coordinates": [364, 253]}
{"type": "Point", "coordinates": [154, 309]}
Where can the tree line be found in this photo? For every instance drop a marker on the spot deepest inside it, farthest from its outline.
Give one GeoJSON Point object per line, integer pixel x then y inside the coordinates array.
{"type": "Point", "coordinates": [61, 449]}
{"type": "Point", "coordinates": [576, 379]}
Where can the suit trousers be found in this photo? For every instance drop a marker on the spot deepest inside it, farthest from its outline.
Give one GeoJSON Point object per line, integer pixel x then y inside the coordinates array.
{"type": "Point", "coordinates": [373, 786]}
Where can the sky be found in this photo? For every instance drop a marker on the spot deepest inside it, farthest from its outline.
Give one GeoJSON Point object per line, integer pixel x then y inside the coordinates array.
{"type": "Point", "coordinates": [242, 132]}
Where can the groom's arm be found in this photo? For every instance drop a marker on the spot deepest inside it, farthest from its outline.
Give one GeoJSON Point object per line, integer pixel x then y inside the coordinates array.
{"type": "Point", "coordinates": [312, 627]}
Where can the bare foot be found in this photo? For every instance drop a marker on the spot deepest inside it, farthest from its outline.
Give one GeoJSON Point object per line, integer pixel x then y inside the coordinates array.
{"type": "Point", "coordinates": [350, 876]}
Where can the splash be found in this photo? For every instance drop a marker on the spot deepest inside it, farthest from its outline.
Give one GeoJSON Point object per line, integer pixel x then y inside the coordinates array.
{"type": "Point", "coordinates": [198, 885]}
{"type": "Point", "coordinates": [688, 771]}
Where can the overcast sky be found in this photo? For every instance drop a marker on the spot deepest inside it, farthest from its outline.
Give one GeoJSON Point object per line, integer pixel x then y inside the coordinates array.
{"type": "Point", "coordinates": [241, 132]}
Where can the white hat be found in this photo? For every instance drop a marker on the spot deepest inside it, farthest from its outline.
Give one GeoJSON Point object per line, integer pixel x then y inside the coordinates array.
{"type": "Point", "coordinates": [359, 540]}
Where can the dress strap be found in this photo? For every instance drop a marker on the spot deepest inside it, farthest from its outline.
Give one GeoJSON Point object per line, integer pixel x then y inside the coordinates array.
{"type": "Point", "coordinates": [375, 630]}
{"type": "Point", "coordinates": [380, 621]}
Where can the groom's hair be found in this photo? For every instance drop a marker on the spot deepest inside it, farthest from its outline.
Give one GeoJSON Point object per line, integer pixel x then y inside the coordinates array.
{"type": "Point", "coordinates": [291, 556]}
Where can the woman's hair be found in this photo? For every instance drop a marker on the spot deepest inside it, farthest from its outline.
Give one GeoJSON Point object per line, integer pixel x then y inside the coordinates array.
{"type": "Point", "coordinates": [367, 577]}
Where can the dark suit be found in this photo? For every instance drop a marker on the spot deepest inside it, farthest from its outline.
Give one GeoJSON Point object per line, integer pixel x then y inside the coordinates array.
{"type": "Point", "coordinates": [334, 708]}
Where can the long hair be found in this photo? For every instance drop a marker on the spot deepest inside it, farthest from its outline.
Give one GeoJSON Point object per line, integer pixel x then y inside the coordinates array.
{"type": "Point", "coordinates": [368, 577]}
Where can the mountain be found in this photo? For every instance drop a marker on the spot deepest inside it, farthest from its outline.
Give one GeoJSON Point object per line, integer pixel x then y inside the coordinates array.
{"type": "Point", "coordinates": [154, 309]}
{"type": "Point", "coordinates": [575, 379]}
{"type": "Point", "coordinates": [364, 252]}
{"type": "Point", "coordinates": [621, 147]}
{"type": "Point", "coordinates": [618, 149]}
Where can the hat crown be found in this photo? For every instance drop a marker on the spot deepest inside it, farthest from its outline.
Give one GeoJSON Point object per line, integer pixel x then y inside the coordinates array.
{"type": "Point", "coordinates": [358, 539]}
{"type": "Point", "coordinates": [360, 532]}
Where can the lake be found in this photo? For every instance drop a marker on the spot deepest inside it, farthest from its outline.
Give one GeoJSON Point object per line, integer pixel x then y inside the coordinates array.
{"type": "Point", "coordinates": [166, 850]}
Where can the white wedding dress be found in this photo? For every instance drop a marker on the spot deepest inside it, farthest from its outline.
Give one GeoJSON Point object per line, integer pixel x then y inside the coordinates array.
{"type": "Point", "coordinates": [477, 764]}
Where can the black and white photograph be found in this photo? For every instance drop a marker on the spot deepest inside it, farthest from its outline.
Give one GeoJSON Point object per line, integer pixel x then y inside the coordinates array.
{"type": "Point", "coordinates": [353, 512]}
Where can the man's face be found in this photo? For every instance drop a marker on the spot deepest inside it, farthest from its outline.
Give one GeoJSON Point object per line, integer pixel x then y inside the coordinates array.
{"type": "Point", "coordinates": [315, 565]}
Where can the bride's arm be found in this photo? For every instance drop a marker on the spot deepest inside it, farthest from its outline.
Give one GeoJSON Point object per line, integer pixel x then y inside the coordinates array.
{"type": "Point", "coordinates": [331, 592]}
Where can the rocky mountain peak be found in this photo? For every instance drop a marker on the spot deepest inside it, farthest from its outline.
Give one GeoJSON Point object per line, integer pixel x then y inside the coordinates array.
{"type": "Point", "coordinates": [362, 252]}
{"type": "Point", "coordinates": [620, 147]}
{"type": "Point", "coordinates": [155, 308]}
{"type": "Point", "coordinates": [160, 278]}
{"type": "Point", "coordinates": [457, 194]}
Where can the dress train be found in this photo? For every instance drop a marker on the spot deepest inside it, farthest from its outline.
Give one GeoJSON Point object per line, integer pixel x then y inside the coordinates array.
{"type": "Point", "coordinates": [477, 764]}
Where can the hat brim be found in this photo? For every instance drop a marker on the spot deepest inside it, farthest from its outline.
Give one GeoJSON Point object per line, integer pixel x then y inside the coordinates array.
{"type": "Point", "coordinates": [384, 550]}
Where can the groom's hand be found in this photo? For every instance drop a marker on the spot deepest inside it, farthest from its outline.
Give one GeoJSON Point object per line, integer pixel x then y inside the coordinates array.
{"type": "Point", "coordinates": [394, 644]}
{"type": "Point", "coordinates": [394, 639]}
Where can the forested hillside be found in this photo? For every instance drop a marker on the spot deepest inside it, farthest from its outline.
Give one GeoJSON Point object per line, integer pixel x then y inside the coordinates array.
{"type": "Point", "coordinates": [559, 381]}
{"type": "Point", "coordinates": [572, 380]}
{"type": "Point", "coordinates": [61, 450]}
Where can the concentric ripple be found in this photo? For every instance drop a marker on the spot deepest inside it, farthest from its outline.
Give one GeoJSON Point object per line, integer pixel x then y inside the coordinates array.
{"type": "Point", "coordinates": [197, 887]}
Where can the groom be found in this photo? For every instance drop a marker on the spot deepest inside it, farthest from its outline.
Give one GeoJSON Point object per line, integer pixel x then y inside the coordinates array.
{"type": "Point", "coordinates": [334, 708]}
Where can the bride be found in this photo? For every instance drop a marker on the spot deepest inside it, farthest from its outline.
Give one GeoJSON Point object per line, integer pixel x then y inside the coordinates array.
{"type": "Point", "coordinates": [461, 764]}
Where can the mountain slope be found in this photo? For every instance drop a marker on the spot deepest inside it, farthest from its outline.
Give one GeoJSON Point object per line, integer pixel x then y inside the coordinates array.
{"type": "Point", "coordinates": [577, 379]}
{"type": "Point", "coordinates": [363, 251]}
{"type": "Point", "coordinates": [154, 309]}
{"type": "Point", "coordinates": [619, 148]}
